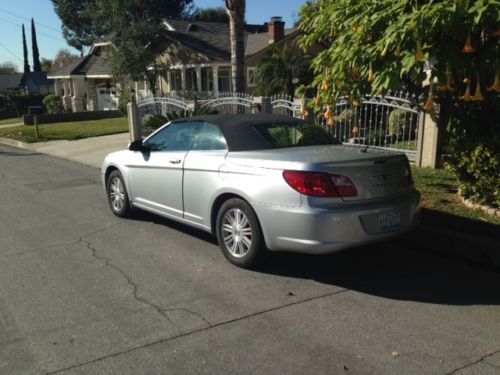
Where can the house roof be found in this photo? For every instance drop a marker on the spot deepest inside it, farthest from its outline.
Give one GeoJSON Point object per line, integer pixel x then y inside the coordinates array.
{"type": "Point", "coordinates": [10, 82]}
{"type": "Point", "coordinates": [90, 65]}
{"type": "Point", "coordinates": [38, 78]}
{"type": "Point", "coordinates": [212, 39]}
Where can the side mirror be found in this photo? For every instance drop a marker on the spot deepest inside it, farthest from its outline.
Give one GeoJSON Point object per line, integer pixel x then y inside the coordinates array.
{"type": "Point", "coordinates": [138, 146]}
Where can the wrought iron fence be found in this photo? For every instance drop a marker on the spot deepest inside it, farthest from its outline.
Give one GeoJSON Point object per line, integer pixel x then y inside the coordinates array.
{"type": "Point", "coordinates": [230, 103]}
{"type": "Point", "coordinates": [387, 122]}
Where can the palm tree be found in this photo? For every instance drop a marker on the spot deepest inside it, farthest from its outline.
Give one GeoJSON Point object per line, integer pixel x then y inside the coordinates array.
{"type": "Point", "coordinates": [236, 12]}
{"type": "Point", "coordinates": [282, 71]}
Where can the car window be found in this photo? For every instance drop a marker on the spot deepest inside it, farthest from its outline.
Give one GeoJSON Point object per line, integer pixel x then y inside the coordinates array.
{"type": "Point", "coordinates": [278, 135]}
{"type": "Point", "coordinates": [175, 137]}
{"type": "Point", "coordinates": [209, 138]}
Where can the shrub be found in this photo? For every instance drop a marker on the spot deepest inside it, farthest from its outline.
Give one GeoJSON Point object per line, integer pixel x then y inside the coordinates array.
{"type": "Point", "coordinates": [398, 119]}
{"type": "Point", "coordinates": [53, 104]}
{"type": "Point", "coordinates": [477, 167]}
{"type": "Point", "coordinates": [125, 96]}
{"type": "Point", "coordinates": [153, 122]}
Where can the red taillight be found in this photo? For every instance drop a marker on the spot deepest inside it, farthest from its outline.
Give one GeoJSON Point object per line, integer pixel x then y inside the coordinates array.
{"type": "Point", "coordinates": [319, 184]}
{"type": "Point", "coordinates": [407, 177]}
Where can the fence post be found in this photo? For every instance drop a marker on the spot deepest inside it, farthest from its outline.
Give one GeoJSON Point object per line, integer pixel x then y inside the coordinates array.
{"type": "Point", "coordinates": [428, 143]}
{"type": "Point", "coordinates": [266, 106]}
{"type": "Point", "coordinates": [134, 125]}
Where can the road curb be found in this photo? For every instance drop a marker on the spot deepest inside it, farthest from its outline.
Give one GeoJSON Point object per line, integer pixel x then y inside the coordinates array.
{"type": "Point", "coordinates": [14, 143]}
{"type": "Point", "coordinates": [471, 248]}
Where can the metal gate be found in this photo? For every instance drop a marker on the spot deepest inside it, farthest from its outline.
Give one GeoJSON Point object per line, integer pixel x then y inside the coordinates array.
{"type": "Point", "coordinates": [386, 122]}
{"type": "Point", "coordinates": [160, 106]}
{"type": "Point", "coordinates": [230, 103]}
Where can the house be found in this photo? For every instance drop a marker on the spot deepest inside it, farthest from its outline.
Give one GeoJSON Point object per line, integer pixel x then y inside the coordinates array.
{"type": "Point", "coordinates": [199, 55]}
{"type": "Point", "coordinates": [35, 83]}
{"type": "Point", "coordinates": [10, 83]}
{"type": "Point", "coordinates": [87, 83]}
{"type": "Point", "coordinates": [196, 58]}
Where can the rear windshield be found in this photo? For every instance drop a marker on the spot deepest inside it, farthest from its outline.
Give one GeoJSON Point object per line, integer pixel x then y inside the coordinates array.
{"type": "Point", "coordinates": [281, 135]}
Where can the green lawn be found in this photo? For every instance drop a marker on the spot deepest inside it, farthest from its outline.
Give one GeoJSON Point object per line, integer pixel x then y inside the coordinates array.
{"type": "Point", "coordinates": [67, 130]}
{"type": "Point", "coordinates": [8, 121]}
{"type": "Point", "coordinates": [439, 190]}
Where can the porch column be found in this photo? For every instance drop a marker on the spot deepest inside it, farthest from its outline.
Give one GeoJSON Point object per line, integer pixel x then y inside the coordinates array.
{"type": "Point", "coordinates": [57, 89]}
{"type": "Point", "coordinates": [77, 97]}
{"type": "Point", "coordinates": [136, 89]}
{"type": "Point", "coordinates": [67, 94]}
{"type": "Point", "coordinates": [198, 78]}
{"type": "Point", "coordinates": [169, 80]}
{"type": "Point", "coordinates": [215, 70]}
{"type": "Point", "coordinates": [183, 79]}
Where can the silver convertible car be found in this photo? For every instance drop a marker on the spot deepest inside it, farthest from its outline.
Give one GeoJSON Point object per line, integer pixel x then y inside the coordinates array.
{"type": "Point", "coordinates": [264, 182]}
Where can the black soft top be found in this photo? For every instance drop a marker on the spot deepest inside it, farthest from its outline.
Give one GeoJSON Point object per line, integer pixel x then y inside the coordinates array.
{"type": "Point", "coordinates": [239, 130]}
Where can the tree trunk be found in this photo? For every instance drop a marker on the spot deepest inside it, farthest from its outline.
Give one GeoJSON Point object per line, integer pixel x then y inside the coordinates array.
{"type": "Point", "coordinates": [236, 12]}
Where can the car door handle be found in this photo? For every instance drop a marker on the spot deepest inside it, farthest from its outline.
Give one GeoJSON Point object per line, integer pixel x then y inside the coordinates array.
{"type": "Point", "coordinates": [175, 161]}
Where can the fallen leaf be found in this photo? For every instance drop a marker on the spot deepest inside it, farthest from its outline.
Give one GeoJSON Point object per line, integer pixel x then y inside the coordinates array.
{"type": "Point", "coordinates": [395, 354]}
{"type": "Point", "coordinates": [359, 356]}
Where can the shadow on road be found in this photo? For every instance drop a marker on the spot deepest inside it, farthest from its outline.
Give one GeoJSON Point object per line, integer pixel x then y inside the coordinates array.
{"type": "Point", "coordinates": [389, 270]}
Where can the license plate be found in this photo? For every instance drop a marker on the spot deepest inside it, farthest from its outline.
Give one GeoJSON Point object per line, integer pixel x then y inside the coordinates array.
{"type": "Point", "coordinates": [389, 221]}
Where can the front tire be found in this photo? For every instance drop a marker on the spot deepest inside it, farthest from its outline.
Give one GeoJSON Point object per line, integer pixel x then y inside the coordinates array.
{"type": "Point", "coordinates": [117, 195]}
{"type": "Point", "coordinates": [239, 234]}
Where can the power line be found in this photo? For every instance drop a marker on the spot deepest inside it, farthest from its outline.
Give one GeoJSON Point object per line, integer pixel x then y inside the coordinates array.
{"type": "Point", "coordinates": [37, 33]}
{"type": "Point", "coordinates": [12, 53]}
{"type": "Point", "coordinates": [28, 19]}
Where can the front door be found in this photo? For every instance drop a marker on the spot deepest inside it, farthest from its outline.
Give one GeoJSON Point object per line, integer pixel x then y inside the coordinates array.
{"type": "Point", "coordinates": [155, 177]}
{"type": "Point", "coordinates": [107, 98]}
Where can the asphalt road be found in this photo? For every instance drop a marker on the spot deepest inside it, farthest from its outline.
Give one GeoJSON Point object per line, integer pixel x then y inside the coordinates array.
{"type": "Point", "coordinates": [83, 292]}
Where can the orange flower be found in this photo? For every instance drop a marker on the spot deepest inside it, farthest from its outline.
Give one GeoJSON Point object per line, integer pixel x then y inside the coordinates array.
{"type": "Point", "coordinates": [328, 113]}
{"type": "Point", "coordinates": [429, 104]}
{"type": "Point", "coordinates": [468, 45]}
{"type": "Point", "coordinates": [466, 97]}
{"type": "Point", "coordinates": [478, 95]}
{"type": "Point", "coordinates": [496, 84]}
{"type": "Point", "coordinates": [324, 85]}
{"type": "Point", "coordinates": [371, 75]}
{"type": "Point", "coordinates": [419, 55]}
{"type": "Point", "coordinates": [331, 122]}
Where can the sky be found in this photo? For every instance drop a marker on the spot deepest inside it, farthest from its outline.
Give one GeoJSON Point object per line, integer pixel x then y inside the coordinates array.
{"type": "Point", "coordinates": [13, 13]}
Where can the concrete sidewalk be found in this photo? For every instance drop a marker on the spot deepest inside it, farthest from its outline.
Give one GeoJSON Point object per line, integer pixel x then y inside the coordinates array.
{"type": "Point", "coordinates": [88, 151]}
{"type": "Point", "coordinates": [434, 235]}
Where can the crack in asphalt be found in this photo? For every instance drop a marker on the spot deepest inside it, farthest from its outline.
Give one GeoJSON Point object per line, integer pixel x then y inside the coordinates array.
{"type": "Point", "coordinates": [198, 315]}
{"type": "Point", "coordinates": [185, 334]}
{"type": "Point", "coordinates": [48, 247]}
{"type": "Point", "coordinates": [473, 363]}
{"type": "Point", "coordinates": [135, 288]}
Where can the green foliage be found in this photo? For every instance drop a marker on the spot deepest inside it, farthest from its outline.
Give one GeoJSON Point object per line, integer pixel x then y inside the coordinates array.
{"type": "Point", "coordinates": [386, 35]}
{"type": "Point", "coordinates": [8, 67]}
{"type": "Point", "coordinates": [315, 135]}
{"type": "Point", "coordinates": [155, 121]}
{"type": "Point", "coordinates": [34, 45]}
{"type": "Point", "coordinates": [133, 26]}
{"type": "Point", "coordinates": [217, 14]}
{"type": "Point", "coordinates": [25, 53]}
{"type": "Point", "coordinates": [477, 167]}
{"type": "Point", "coordinates": [399, 119]}
{"type": "Point", "coordinates": [275, 73]}
{"type": "Point", "coordinates": [53, 104]}
{"type": "Point", "coordinates": [46, 64]}
{"type": "Point", "coordinates": [125, 97]}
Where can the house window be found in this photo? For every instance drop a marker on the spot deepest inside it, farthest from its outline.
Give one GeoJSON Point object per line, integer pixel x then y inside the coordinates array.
{"type": "Point", "coordinates": [252, 77]}
{"type": "Point", "coordinates": [224, 80]}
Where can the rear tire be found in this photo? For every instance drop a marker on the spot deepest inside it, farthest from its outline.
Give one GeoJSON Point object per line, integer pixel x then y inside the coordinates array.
{"type": "Point", "coordinates": [239, 234]}
{"type": "Point", "coordinates": [117, 195]}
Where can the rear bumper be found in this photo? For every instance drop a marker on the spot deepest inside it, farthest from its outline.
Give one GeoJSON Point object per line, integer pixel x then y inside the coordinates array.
{"type": "Point", "coordinates": [320, 231]}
